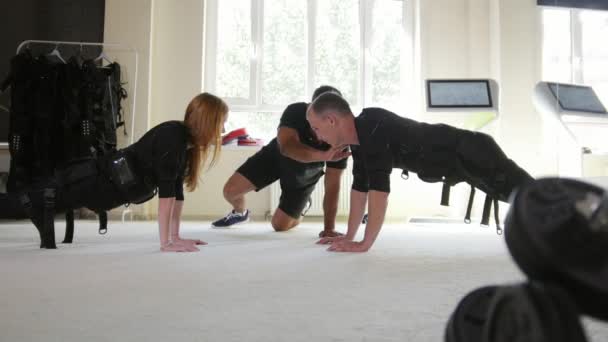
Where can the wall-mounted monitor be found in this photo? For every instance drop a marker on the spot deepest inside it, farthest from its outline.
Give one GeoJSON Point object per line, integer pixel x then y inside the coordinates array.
{"type": "Point", "coordinates": [586, 4]}
{"type": "Point", "coordinates": [576, 98]}
{"type": "Point", "coordinates": [458, 94]}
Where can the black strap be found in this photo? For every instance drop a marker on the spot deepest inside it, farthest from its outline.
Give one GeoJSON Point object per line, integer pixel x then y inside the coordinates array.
{"type": "Point", "coordinates": [103, 222]}
{"type": "Point", "coordinates": [496, 218]}
{"type": "Point", "coordinates": [6, 83]}
{"type": "Point", "coordinates": [467, 217]}
{"type": "Point", "coordinates": [48, 219]}
{"type": "Point", "coordinates": [445, 194]}
{"type": "Point", "coordinates": [69, 226]}
{"type": "Point", "coordinates": [26, 203]}
{"type": "Point", "coordinates": [487, 208]}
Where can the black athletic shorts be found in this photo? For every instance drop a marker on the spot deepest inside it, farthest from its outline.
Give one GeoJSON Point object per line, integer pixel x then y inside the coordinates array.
{"type": "Point", "coordinates": [297, 179]}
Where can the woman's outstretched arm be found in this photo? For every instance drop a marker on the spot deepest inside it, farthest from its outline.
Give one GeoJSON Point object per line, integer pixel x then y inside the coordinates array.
{"type": "Point", "coordinates": [165, 211]}
{"type": "Point", "coordinates": [176, 215]}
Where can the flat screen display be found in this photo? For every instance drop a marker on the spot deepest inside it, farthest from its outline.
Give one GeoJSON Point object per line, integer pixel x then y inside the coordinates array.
{"type": "Point", "coordinates": [458, 93]}
{"type": "Point", "coordinates": [577, 98]}
{"type": "Point", "coordinates": [588, 4]}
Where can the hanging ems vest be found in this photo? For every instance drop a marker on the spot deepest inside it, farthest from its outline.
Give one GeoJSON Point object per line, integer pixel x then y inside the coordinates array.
{"type": "Point", "coordinates": [60, 115]}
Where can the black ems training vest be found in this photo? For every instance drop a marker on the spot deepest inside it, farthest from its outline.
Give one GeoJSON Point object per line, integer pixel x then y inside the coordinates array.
{"type": "Point", "coordinates": [442, 153]}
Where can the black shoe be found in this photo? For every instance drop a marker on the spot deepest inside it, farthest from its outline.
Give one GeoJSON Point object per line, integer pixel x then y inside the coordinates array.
{"type": "Point", "coordinates": [231, 219]}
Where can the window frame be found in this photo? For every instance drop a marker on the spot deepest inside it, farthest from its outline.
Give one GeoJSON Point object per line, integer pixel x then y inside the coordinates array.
{"type": "Point", "coordinates": [253, 103]}
{"type": "Point", "coordinates": [577, 60]}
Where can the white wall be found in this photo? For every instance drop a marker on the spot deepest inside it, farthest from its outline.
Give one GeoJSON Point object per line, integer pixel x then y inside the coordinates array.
{"type": "Point", "coordinates": [130, 23]}
{"type": "Point", "coordinates": [455, 38]}
{"type": "Point", "coordinates": [177, 46]}
{"type": "Point", "coordinates": [522, 131]}
{"type": "Point", "coordinates": [444, 32]}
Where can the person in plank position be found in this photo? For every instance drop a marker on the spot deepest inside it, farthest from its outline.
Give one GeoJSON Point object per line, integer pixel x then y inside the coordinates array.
{"type": "Point", "coordinates": [381, 140]}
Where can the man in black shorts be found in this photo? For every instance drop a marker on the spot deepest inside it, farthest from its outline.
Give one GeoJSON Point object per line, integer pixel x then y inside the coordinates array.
{"type": "Point", "coordinates": [381, 141]}
{"type": "Point", "coordinates": [296, 158]}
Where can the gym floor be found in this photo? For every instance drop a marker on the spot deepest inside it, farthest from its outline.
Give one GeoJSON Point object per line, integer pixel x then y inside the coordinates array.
{"type": "Point", "coordinates": [248, 284]}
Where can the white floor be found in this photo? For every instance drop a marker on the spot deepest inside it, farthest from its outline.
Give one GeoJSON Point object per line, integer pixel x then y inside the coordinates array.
{"type": "Point", "coordinates": [249, 284]}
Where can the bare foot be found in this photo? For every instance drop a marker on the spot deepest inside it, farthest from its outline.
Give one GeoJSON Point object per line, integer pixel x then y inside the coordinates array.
{"type": "Point", "coordinates": [189, 241]}
{"type": "Point", "coordinates": [172, 247]}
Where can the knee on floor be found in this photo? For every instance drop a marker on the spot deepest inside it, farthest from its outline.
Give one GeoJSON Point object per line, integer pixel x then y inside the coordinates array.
{"type": "Point", "coordinates": [283, 225]}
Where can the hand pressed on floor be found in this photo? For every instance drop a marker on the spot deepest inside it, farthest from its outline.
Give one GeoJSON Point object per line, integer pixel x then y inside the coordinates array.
{"type": "Point", "coordinates": [330, 233]}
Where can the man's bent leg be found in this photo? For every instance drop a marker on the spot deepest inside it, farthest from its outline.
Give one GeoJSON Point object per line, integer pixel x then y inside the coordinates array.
{"type": "Point", "coordinates": [235, 189]}
{"type": "Point", "coordinates": [292, 204]}
{"type": "Point", "coordinates": [234, 192]}
{"type": "Point", "coordinates": [259, 171]}
{"type": "Point", "coordinates": [281, 222]}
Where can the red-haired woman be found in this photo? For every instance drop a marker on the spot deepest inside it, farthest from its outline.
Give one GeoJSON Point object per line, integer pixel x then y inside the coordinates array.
{"type": "Point", "coordinates": [168, 156]}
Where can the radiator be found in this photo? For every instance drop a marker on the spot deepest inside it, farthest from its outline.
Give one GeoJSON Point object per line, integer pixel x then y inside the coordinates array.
{"type": "Point", "coordinates": [316, 209]}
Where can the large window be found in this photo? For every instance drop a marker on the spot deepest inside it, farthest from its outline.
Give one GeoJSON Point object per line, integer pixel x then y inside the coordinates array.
{"type": "Point", "coordinates": [262, 55]}
{"type": "Point", "coordinates": [575, 48]}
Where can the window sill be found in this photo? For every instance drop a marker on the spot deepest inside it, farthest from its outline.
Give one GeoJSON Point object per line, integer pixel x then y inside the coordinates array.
{"type": "Point", "coordinates": [240, 148]}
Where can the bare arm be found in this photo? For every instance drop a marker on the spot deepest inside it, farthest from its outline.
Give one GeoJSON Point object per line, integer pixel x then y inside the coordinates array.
{"type": "Point", "coordinates": [330, 200]}
{"type": "Point", "coordinates": [358, 201]}
{"type": "Point", "coordinates": [378, 202]}
{"type": "Point", "coordinates": [167, 217]}
{"type": "Point", "coordinates": [291, 146]}
{"type": "Point", "coordinates": [165, 207]}
{"type": "Point", "coordinates": [175, 225]}
{"type": "Point", "coordinates": [176, 219]}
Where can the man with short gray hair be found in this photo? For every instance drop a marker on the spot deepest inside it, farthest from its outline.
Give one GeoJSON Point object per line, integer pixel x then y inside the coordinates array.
{"type": "Point", "coordinates": [381, 140]}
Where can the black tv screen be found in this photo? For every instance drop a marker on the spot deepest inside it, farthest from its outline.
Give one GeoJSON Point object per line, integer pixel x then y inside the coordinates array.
{"type": "Point", "coordinates": [588, 4]}
{"type": "Point", "coordinates": [458, 93]}
{"type": "Point", "coordinates": [577, 98]}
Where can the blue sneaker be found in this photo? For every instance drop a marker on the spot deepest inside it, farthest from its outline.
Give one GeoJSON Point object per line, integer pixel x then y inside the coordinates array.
{"type": "Point", "coordinates": [231, 219]}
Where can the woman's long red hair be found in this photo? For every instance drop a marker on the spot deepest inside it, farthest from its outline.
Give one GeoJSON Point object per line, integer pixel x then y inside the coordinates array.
{"type": "Point", "coordinates": [204, 118]}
